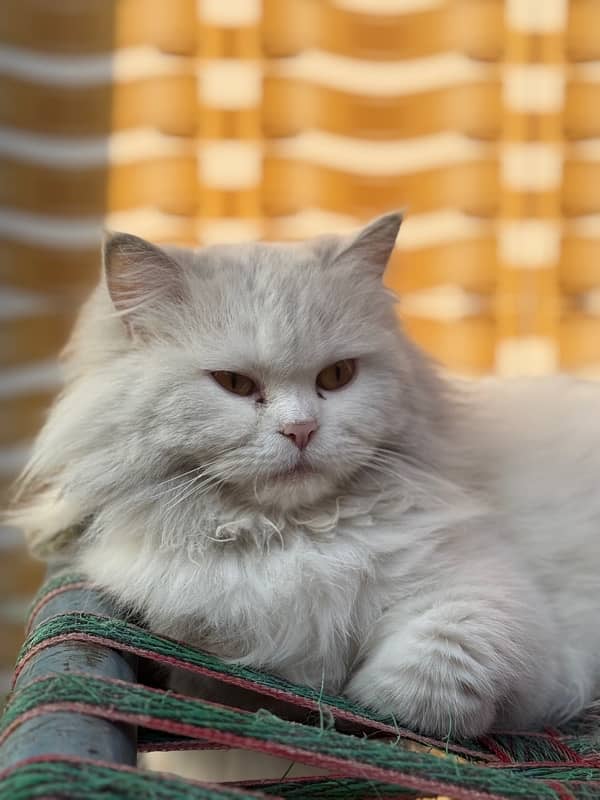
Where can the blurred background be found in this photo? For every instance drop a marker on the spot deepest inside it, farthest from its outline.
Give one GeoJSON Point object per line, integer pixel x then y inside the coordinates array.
{"type": "Point", "coordinates": [198, 121]}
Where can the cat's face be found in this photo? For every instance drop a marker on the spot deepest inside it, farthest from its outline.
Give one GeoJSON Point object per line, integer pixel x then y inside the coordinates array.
{"type": "Point", "coordinates": [274, 371]}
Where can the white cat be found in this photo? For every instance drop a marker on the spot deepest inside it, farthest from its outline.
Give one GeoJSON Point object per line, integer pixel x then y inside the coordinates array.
{"type": "Point", "coordinates": [269, 469]}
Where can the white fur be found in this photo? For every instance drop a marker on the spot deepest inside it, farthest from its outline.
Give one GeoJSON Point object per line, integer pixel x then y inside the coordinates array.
{"type": "Point", "coordinates": [441, 564]}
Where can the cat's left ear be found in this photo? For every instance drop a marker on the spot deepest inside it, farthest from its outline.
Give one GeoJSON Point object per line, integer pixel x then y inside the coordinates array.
{"type": "Point", "coordinates": [141, 278]}
{"type": "Point", "coordinates": [370, 249]}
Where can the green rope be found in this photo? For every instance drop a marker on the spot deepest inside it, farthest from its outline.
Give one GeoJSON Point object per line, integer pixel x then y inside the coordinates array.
{"type": "Point", "coordinates": [268, 729]}
{"type": "Point", "coordinates": [127, 634]}
{"type": "Point", "coordinates": [89, 781]}
{"type": "Point", "coordinates": [334, 789]}
{"type": "Point", "coordinates": [94, 782]}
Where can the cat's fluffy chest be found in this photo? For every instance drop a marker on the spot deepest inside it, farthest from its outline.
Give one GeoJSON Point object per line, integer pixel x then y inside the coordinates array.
{"type": "Point", "coordinates": [297, 605]}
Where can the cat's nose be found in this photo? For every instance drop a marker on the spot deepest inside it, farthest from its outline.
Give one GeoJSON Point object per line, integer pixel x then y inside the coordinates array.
{"type": "Point", "coordinates": [300, 433]}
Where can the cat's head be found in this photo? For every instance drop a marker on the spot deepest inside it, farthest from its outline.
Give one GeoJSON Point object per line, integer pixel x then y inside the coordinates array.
{"type": "Point", "coordinates": [271, 372]}
{"type": "Point", "coordinates": [281, 358]}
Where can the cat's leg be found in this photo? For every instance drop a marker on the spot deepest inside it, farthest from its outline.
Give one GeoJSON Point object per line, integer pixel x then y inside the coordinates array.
{"type": "Point", "coordinates": [455, 667]}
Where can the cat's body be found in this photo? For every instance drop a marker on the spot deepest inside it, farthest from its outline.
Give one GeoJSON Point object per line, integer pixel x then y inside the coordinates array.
{"type": "Point", "coordinates": [430, 548]}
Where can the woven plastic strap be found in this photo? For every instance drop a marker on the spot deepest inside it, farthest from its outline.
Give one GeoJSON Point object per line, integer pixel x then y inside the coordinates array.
{"type": "Point", "coordinates": [549, 765]}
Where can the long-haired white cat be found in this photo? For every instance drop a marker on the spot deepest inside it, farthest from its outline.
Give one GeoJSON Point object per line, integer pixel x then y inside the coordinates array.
{"type": "Point", "coordinates": [269, 469]}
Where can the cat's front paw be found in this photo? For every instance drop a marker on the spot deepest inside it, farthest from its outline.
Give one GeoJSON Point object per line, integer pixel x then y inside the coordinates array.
{"type": "Point", "coordinates": [431, 685]}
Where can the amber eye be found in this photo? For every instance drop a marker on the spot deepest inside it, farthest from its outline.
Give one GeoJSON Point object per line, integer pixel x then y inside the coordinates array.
{"type": "Point", "coordinates": [235, 383]}
{"type": "Point", "coordinates": [336, 375]}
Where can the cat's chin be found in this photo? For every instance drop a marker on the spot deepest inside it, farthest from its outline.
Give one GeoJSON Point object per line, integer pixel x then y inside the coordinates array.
{"type": "Point", "coordinates": [293, 488]}
{"type": "Point", "coordinates": [295, 473]}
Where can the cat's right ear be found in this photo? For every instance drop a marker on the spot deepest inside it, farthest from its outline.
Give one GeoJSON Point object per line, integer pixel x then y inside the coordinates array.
{"type": "Point", "coordinates": [139, 277]}
{"type": "Point", "coordinates": [371, 248]}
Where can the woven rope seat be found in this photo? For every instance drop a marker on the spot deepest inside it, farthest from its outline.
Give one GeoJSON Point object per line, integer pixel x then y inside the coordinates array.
{"type": "Point", "coordinates": [78, 716]}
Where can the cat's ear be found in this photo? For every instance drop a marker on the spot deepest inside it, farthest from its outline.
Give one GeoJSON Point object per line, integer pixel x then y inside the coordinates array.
{"type": "Point", "coordinates": [139, 276]}
{"type": "Point", "coordinates": [370, 249]}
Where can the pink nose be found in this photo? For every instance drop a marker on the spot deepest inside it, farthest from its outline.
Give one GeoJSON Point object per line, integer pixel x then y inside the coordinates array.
{"type": "Point", "coordinates": [300, 432]}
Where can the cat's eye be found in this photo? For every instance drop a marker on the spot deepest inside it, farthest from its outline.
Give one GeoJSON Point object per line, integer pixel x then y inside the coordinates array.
{"type": "Point", "coordinates": [337, 375]}
{"type": "Point", "coordinates": [235, 383]}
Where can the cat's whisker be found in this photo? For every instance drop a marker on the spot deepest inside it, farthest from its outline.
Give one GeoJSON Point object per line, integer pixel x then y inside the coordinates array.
{"type": "Point", "coordinates": [211, 482]}
{"type": "Point", "coordinates": [184, 495]}
{"type": "Point", "coordinates": [179, 475]}
{"type": "Point", "coordinates": [255, 488]}
{"type": "Point", "coordinates": [176, 489]}
{"type": "Point", "coordinates": [194, 488]}
{"type": "Point", "coordinates": [206, 462]}
{"type": "Point", "coordinates": [199, 471]}
{"type": "Point", "coordinates": [197, 485]}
